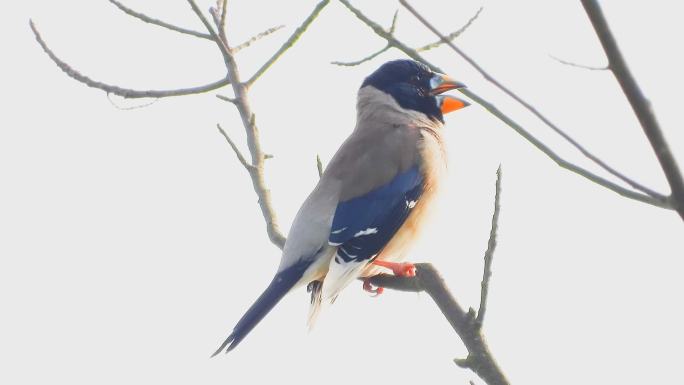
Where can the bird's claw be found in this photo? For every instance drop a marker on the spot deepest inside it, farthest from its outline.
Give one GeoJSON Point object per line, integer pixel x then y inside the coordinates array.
{"type": "Point", "coordinates": [368, 286]}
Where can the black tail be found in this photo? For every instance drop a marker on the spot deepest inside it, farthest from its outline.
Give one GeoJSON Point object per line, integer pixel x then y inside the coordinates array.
{"type": "Point", "coordinates": [276, 290]}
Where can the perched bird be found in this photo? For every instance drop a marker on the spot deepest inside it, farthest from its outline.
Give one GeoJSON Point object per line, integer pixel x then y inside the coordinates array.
{"type": "Point", "coordinates": [373, 196]}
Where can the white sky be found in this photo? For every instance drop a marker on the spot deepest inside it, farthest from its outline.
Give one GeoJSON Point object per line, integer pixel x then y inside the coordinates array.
{"type": "Point", "coordinates": [131, 241]}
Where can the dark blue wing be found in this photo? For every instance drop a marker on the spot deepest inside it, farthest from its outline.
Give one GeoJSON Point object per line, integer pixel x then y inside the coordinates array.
{"type": "Point", "coordinates": [362, 226]}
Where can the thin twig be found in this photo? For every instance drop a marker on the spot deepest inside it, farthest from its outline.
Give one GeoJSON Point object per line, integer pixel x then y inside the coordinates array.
{"type": "Point", "coordinates": [319, 166]}
{"type": "Point", "coordinates": [360, 61]}
{"type": "Point", "coordinates": [151, 20]}
{"type": "Point", "coordinates": [489, 254]}
{"type": "Point", "coordinates": [241, 102]}
{"type": "Point", "coordinates": [222, 45]}
{"type": "Point", "coordinates": [289, 42]}
{"type": "Point", "coordinates": [393, 26]}
{"type": "Point", "coordinates": [249, 167]}
{"type": "Point", "coordinates": [452, 35]}
{"type": "Point", "coordinates": [532, 109]}
{"type": "Point", "coordinates": [410, 52]}
{"type": "Point", "coordinates": [257, 37]}
{"type": "Point", "coordinates": [480, 360]}
{"type": "Point", "coordinates": [130, 108]}
{"type": "Point", "coordinates": [571, 64]}
{"type": "Point", "coordinates": [227, 99]}
{"type": "Point", "coordinates": [116, 90]}
{"type": "Point", "coordinates": [222, 21]}
{"type": "Point", "coordinates": [640, 105]}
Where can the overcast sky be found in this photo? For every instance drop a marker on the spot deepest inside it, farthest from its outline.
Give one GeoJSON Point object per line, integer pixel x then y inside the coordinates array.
{"type": "Point", "coordinates": [131, 241]}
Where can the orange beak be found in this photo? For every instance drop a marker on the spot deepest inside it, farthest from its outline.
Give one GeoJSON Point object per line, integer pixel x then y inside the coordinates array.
{"type": "Point", "coordinates": [440, 83]}
{"type": "Point", "coordinates": [448, 103]}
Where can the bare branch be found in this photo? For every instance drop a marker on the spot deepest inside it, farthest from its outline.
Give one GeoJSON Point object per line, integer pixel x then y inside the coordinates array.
{"type": "Point", "coordinates": [123, 92]}
{"type": "Point", "coordinates": [468, 326]}
{"type": "Point", "coordinates": [222, 22]}
{"type": "Point", "coordinates": [218, 14]}
{"type": "Point", "coordinates": [367, 58]}
{"type": "Point", "coordinates": [489, 254]}
{"type": "Point", "coordinates": [227, 99]}
{"type": "Point", "coordinates": [249, 167]}
{"type": "Point", "coordinates": [640, 105]}
{"type": "Point", "coordinates": [452, 35]}
{"type": "Point", "coordinates": [393, 26]}
{"type": "Point", "coordinates": [257, 37]}
{"type": "Point", "coordinates": [571, 64]}
{"type": "Point", "coordinates": [289, 42]}
{"type": "Point", "coordinates": [241, 101]}
{"type": "Point", "coordinates": [372, 56]}
{"type": "Point", "coordinates": [531, 108]}
{"type": "Point", "coordinates": [129, 108]}
{"type": "Point", "coordinates": [413, 54]}
{"type": "Point", "coordinates": [150, 20]}
{"type": "Point", "coordinates": [428, 279]}
{"type": "Point", "coordinates": [222, 45]}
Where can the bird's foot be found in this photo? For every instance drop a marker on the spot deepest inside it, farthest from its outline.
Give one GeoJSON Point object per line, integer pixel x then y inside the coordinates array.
{"type": "Point", "coordinates": [368, 286]}
{"type": "Point", "coordinates": [400, 269]}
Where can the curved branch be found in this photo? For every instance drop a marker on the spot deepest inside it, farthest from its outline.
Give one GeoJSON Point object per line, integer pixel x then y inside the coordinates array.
{"type": "Point", "coordinates": [428, 279]}
{"type": "Point", "coordinates": [360, 61]}
{"type": "Point", "coordinates": [452, 35]}
{"type": "Point", "coordinates": [241, 102]}
{"type": "Point", "coordinates": [151, 20]}
{"type": "Point", "coordinates": [661, 201]}
{"type": "Point", "coordinates": [577, 65]}
{"type": "Point", "coordinates": [289, 42]}
{"type": "Point", "coordinates": [640, 105]}
{"type": "Point", "coordinates": [531, 108]}
{"type": "Point", "coordinates": [116, 90]}
{"type": "Point", "coordinates": [467, 325]}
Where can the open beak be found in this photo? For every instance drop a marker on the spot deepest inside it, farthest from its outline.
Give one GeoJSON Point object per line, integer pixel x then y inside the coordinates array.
{"type": "Point", "coordinates": [440, 83]}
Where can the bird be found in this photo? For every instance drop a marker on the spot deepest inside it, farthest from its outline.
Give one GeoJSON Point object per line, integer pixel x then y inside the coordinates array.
{"type": "Point", "coordinates": [373, 197]}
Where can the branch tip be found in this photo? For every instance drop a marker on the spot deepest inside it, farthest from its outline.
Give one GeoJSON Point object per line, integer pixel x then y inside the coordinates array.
{"type": "Point", "coordinates": [151, 20]}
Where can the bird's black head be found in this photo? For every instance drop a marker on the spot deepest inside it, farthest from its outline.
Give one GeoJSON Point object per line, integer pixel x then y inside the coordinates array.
{"type": "Point", "coordinates": [415, 87]}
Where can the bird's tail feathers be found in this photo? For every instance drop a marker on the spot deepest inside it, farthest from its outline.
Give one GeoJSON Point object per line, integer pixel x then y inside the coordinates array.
{"type": "Point", "coordinates": [316, 290]}
{"type": "Point", "coordinates": [276, 290]}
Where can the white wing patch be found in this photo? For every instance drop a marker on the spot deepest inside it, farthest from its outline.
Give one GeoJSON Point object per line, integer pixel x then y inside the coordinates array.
{"type": "Point", "coordinates": [338, 230]}
{"type": "Point", "coordinates": [368, 231]}
{"type": "Point", "coordinates": [411, 204]}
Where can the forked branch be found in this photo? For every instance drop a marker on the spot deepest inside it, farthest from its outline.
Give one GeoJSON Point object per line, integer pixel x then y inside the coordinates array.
{"type": "Point", "coordinates": [466, 324]}
{"type": "Point", "coordinates": [656, 199]}
{"type": "Point", "coordinates": [640, 105]}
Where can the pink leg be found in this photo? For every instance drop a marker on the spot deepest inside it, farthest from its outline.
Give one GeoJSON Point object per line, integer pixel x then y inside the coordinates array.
{"type": "Point", "coordinates": [367, 286]}
{"type": "Point", "coordinates": [403, 269]}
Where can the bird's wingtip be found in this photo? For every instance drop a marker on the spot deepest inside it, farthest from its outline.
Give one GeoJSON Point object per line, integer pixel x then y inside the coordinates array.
{"type": "Point", "coordinates": [227, 342]}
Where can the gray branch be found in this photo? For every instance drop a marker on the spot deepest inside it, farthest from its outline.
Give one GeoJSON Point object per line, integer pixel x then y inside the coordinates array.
{"type": "Point", "coordinates": [640, 105]}
{"type": "Point", "coordinates": [467, 325]}
{"type": "Point", "coordinates": [489, 254]}
{"type": "Point", "coordinates": [151, 20]}
{"type": "Point", "coordinates": [660, 201]}
{"type": "Point", "coordinates": [116, 90]}
{"type": "Point", "coordinates": [453, 35]}
{"type": "Point", "coordinates": [531, 108]}
{"type": "Point", "coordinates": [257, 37]}
{"type": "Point", "coordinates": [289, 42]}
{"type": "Point", "coordinates": [576, 65]}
